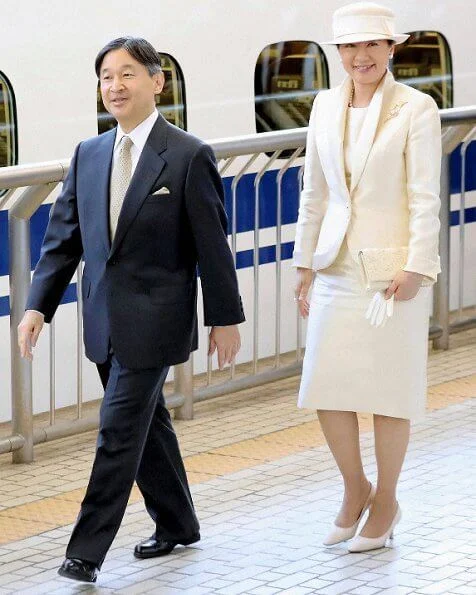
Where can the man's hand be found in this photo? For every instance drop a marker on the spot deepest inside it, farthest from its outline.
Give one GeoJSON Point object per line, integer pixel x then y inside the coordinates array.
{"type": "Point", "coordinates": [226, 340]}
{"type": "Point", "coordinates": [405, 286]}
{"type": "Point", "coordinates": [303, 284]}
{"type": "Point", "coordinates": [28, 332]}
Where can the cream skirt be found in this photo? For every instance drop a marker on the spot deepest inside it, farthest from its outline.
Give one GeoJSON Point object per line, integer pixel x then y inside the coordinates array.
{"type": "Point", "coordinates": [352, 366]}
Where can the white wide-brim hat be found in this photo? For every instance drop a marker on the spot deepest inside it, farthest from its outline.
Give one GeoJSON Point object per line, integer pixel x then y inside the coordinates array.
{"type": "Point", "coordinates": [364, 21]}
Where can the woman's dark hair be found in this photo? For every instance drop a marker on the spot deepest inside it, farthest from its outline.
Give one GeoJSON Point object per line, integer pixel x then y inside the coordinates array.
{"type": "Point", "coordinates": [140, 49]}
{"type": "Point", "coordinates": [389, 41]}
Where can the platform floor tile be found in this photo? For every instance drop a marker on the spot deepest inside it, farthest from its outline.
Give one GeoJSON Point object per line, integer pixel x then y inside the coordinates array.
{"type": "Point", "coordinates": [266, 489]}
{"type": "Point", "coordinates": [60, 509]}
{"type": "Point", "coordinates": [262, 529]}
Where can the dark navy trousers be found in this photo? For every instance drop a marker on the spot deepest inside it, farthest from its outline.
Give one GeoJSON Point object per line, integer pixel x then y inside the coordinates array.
{"type": "Point", "coordinates": [136, 441]}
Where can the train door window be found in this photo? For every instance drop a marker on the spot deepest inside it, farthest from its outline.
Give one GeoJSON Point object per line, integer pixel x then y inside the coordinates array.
{"type": "Point", "coordinates": [170, 103]}
{"type": "Point", "coordinates": [288, 75]}
{"type": "Point", "coordinates": [8, 129]}
{"type": "Point", "coordinates": [424, 62]}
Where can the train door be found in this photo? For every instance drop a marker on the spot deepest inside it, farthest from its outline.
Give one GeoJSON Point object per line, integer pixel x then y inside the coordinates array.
{"type": "Point", "coordinates": [288, 75]}
{"type": "Point", "coordinates": [8, 140]}
{"type": "Point", "coordinates": [171, 102]}
{"type": "Point", "coordinates": [424, 62]}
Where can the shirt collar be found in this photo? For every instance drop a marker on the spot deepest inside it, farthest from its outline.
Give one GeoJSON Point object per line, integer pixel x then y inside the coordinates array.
{"type": "Point", "coordinates": [140, 133]}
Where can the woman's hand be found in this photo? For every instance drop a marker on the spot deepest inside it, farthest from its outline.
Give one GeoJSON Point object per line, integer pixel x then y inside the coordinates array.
{"type": "Point", "coordinates": [303, 284]}
{"type": "Point", "coordinates": [405, 286]}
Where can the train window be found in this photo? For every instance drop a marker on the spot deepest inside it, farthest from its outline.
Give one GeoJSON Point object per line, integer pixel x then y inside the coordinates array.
{"type": "Point", "coordinates": [8, 129]}
{"type": "Point", "coordinates": [424, 62]}
{"type": "Point", "coordinates": [288, 75]}
{"type": "Point", "coordinates": [170, 103]}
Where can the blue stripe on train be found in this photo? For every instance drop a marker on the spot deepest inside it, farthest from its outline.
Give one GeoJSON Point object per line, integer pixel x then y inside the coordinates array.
{"type": "Point", "coordinates": [244, 260]}
{"type": "Point", "coordinates": [245, 215]}
{"type": "Point", "coordinates": [68, 297]}
{"type": "Point", "coordinates": [469, 216]}
{"type": "Point", "coordinates": [267, 254]}
{"type": "Point", "coordinates": [245, 211]}
{"type": "Point", "coordinates": [4, 306]}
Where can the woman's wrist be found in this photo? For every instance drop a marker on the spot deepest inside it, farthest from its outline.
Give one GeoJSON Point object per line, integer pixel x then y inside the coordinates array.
{"type": "Point", "coordinates": [414, 275]}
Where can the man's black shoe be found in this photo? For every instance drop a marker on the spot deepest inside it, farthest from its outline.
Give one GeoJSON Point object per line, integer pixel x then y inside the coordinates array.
{"type": "Point", "coordinates": [79, 570]}
{"type": "Point", "coordinates": [157, 546]}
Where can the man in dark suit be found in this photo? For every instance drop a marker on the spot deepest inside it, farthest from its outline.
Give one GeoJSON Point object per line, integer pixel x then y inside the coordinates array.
{"type": "Point", "coordinates": [142, 205]}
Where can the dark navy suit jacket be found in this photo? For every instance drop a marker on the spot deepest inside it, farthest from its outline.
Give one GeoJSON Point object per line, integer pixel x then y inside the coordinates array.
{"type": "Point", "coordinates": [140, 293]}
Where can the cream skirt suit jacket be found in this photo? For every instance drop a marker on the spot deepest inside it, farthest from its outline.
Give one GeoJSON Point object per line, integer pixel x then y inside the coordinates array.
{"type": "Point", "coordinates": [390, 200]}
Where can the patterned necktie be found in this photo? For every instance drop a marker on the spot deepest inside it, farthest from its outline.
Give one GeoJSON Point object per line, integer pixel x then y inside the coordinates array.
{"type": "Point", "coordinates": [120, 179]}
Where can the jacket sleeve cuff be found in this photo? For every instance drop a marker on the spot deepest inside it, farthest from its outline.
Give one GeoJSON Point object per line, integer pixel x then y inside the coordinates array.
{"type": "Point", "coordinates": [423, 266]}
{"type": "Point", "coordinates": [37, 311]}
{"type": "Point", "coordinates": [300, 259]}
{"type": "Point", "coordinates": [223, 309]}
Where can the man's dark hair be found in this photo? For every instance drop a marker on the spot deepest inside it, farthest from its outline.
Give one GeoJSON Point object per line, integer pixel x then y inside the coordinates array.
{"type": "Point", "coordinates": [140, 49]}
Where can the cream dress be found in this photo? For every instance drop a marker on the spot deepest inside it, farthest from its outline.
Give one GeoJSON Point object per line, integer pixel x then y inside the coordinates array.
{"type": "Point", "coordinates": [350, 365]}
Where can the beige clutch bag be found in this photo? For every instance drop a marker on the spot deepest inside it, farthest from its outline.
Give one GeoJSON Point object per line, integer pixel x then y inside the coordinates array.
{"type": "Point", "coordinates": [380, 265]}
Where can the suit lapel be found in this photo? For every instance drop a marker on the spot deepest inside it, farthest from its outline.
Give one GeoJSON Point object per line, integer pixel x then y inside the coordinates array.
{"type": "Point", "coordinates": [368, 131]}
{"type": "Point", "coordinates": [148, 169]}
{"type": "Point", "coordinates": [98, 203]}
{"type": "Point", "coordinates": [337, 131]}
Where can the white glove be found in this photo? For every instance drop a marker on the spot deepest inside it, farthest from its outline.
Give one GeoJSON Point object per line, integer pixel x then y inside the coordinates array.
{"type": "Point", "coordinates": [379, 310]}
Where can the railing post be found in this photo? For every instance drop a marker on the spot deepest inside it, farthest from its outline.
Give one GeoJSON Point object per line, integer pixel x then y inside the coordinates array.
{"type": "Point", "coordinates": [183, 380]}
{"type": "Point", "coordinates": [21, 373]}
{"type": "Point", "coordinates": [441, 304]}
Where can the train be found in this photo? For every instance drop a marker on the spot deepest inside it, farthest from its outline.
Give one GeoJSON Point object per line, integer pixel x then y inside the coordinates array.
{"type": "Point", "coordinates": [232, 69]}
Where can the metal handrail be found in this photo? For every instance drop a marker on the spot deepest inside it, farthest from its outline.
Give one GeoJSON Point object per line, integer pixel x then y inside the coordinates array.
{"type": "Point", "coordinates": [40, 179]}
{"type": "Point", "coordinates": [17, 176]}
{"type": "Point", "coordinates": [458, 115]}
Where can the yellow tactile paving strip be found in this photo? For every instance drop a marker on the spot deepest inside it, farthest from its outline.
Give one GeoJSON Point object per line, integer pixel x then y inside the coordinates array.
{"type": "Point", "coordinates": [25, 520]}
{"type": "Point", "coordinates": [13, 529]}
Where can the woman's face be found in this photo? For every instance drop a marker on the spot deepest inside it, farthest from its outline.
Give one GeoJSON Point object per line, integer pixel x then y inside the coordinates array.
{"type": "Point", "coordinates": [366, 61]}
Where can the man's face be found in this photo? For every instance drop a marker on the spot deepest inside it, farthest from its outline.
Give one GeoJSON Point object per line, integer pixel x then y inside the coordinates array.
{"type": "Point", "coordinates": [128, 91]}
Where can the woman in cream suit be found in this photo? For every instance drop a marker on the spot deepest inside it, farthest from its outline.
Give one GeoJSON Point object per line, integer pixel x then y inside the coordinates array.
{"type": "Point", "coordinates": [371, 180]}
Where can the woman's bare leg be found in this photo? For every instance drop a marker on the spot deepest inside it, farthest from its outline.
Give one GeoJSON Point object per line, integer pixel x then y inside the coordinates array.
{"type": "Point", "coordinates": [341, 430]}
{"type": "Point", "coordinates": [391, 441]}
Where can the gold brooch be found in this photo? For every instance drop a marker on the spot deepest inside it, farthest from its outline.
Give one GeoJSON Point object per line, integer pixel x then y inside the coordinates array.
{"type": "Point", "coordinates": [395, 110]}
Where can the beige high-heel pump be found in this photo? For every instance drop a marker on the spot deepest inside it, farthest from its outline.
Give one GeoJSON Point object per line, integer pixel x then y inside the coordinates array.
{"type": "Point", "coordinates": [365, 544]}
{"type": "Point", "coordinates": [338, 534]}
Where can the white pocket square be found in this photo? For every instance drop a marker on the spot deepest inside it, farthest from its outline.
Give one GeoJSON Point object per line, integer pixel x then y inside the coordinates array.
{"type": "Point", "coordinates": [163, 190]}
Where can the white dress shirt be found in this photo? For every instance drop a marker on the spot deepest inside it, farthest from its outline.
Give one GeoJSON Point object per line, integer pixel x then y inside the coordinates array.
{"type": "Point", "coordinates": [139, 137]}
